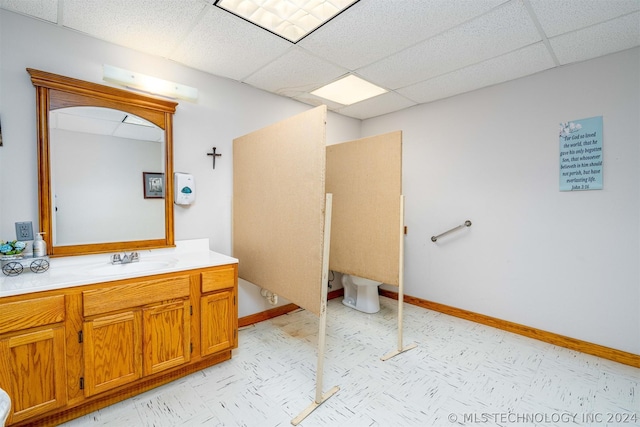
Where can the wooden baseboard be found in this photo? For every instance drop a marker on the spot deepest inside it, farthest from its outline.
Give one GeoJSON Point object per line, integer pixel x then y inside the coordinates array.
{"type": "Point", "coordinates": [549, 337]}
{"type": "Point", "coordinates": [278, 311]}
{"type": "Point", "coordinates": [266, 315]}
{"type": "Point", "coordinates": [335, 294]}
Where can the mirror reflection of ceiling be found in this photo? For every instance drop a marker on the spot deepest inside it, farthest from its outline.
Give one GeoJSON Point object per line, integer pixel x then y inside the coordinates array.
{"type": "Point", "coordinates": [124, 141]}
{"type": "Point", "coordinates": [105, 121]}
{"type": "Point", "coordinates": [420, 50]}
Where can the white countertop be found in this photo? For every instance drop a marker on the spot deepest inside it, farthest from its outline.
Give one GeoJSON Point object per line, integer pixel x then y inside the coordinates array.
{"type": "Point", "coordinates": [66, 272]}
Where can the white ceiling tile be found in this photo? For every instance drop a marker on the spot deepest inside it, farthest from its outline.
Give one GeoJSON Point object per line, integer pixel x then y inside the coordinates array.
{"type": "Point", "coordinates": [295, 72]}
{"type": "Point", "coordinates": [513, 65]}
{"type": "Point", "coordinates": [608, 37]}
{"type": "Point", "coordinates": [141, 133]}
{"type": "Point", "coordinates": [43, 9]}
{"type": "Point", "coordinates": [228, 46]}
{"type": "Point", "coordinates": [559, 17]}
{"type": "Point", "coordinates": [422, 49]}
{"type": "Point", "coordinates": [504, 29]}
{"type": "Point", "coordinates": [383, 104]}
{"type": "Point", "coordinates": [366, 33]}
{"type": "Point", "coordinates": [84, 124]}
{"type": "Point", "coordinates": [146, 25]}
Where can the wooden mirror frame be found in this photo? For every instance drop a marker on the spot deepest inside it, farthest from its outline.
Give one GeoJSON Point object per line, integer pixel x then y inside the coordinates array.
{"type": "Point", "coordinates": [54, 91]}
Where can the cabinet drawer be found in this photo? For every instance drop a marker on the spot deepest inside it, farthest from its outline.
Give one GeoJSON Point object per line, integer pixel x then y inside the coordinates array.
{"type": "Point", "coordinates": [121, 297]}
{"type": "Point", "coordinates": [220, 278]}
{"type": "Point", "coordinates": [26, 314]}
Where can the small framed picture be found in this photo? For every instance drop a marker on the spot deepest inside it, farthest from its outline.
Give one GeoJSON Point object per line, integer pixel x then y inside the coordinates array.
{"type": "Point", "coordinates": [153, 185]}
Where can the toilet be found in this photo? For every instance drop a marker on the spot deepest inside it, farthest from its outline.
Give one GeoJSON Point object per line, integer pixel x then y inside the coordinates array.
{"type": "Point", "coordinates": [361, 293]}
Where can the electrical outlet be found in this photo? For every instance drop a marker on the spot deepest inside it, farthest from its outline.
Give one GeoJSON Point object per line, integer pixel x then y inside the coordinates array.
{"type": "Point", "coordinates": [24, 231]}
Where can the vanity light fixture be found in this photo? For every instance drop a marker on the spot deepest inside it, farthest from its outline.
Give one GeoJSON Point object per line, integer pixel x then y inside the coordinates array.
{"type": "Point", "coordinates": [290, 19]}
{"type": "Point", "coordinates": [349, 90]}
{"type": "Point", "coordinates": [148, 84]}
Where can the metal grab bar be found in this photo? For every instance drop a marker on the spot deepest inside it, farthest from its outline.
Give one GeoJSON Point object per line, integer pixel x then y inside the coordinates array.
{"type": "Point", "coordinates": [467, 223]}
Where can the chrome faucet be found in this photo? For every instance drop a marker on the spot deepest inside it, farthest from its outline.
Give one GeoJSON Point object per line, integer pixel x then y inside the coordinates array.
{"type": "Point", "coordinates": [125, 258]}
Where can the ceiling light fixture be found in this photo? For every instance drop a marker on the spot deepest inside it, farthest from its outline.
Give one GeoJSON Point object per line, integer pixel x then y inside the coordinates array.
{"type": "Point", "coordinates": [148, 84]}
{"type": "Point", "coordinates": [290, 19]}
{"type": "Point", "coordinates": [349, 90]}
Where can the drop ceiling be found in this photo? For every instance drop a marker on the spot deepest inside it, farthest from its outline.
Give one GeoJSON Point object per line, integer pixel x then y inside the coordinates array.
{"type": "Point", "coordinates": [419, 50]}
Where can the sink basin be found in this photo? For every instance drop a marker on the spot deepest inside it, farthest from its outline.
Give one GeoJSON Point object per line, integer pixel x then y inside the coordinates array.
{"type": "Point", "coordinates": [134, 267]}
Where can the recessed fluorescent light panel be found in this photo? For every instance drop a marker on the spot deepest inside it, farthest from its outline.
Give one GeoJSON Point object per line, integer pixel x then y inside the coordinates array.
{"type": "Point", "coordinates": [349, 90]}
{"type": "Point", "coordinates": [148, 83]}
{"type": "Point", "coordinates": [289, 19]}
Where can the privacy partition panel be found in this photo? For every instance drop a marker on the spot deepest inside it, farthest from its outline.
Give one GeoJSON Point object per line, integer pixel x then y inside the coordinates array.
{"type": "Point", "coordinates": [365, 178]}
{"type": "Point", "coordinates": [283, 220]}
{"type": "Point", "coordinates": [279, 207]}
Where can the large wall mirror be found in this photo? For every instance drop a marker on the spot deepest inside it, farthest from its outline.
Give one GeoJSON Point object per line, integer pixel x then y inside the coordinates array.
{"type": "Point", "coordinates": [105, 165]}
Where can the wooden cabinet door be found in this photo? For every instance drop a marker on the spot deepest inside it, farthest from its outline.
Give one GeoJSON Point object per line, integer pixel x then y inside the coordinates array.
{"type": "Point", "coordinates": [167, 336]}
{"type": "Point", "coordinates": [112, 351]}
{"type": "Point", "coordinates": [33, 372]}
{"type": "Point", "coordinates": [218, 322]}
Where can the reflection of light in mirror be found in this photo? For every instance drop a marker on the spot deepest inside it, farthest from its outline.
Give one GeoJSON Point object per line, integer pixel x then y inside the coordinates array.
{"type": "Point", "coordinates": [135, 120]}
{"type": "Point", "coordinates": [105, 121]}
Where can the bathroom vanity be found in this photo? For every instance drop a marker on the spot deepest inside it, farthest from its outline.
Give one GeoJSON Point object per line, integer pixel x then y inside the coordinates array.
{"type": "Point", "coordinates": [87, 333]}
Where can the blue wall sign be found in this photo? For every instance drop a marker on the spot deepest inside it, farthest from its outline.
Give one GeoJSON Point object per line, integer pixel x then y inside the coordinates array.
{"type": "Point", "coordinates": [581, 154]}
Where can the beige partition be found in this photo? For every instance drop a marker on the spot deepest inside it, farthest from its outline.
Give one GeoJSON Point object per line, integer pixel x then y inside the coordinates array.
{"type": "Point", "coordinates": [365, 178]}
{"type": "Point", "coordinates": [279, 207]}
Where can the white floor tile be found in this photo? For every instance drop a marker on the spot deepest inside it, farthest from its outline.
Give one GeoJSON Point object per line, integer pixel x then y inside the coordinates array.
{"type": "Point", "coordinates": [461, 373]}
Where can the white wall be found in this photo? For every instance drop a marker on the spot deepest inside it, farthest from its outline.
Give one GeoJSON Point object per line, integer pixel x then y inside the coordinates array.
{"type": "Point", "coordinates": [224, 110]}
{"type": "Point", "coordinates": [565, 262]}
{"type": "Point", "coordinates": [100, 196]}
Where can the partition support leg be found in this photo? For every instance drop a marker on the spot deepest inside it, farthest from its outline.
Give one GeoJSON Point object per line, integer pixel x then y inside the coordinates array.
{"type": "Point", "coordinates": [322, 330]}
{"type": "Point", "coordinates": [400, 348]}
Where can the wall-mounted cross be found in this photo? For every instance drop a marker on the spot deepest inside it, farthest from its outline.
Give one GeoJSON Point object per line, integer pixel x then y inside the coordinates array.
{"type": "Point", "coordinates": [214, 154]}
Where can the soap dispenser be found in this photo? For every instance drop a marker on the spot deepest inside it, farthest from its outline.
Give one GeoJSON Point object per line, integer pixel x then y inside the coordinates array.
{"type": "Point", "coordinates": [39, 246]}
{"type": "Point", "coordinates": [184, 188]}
